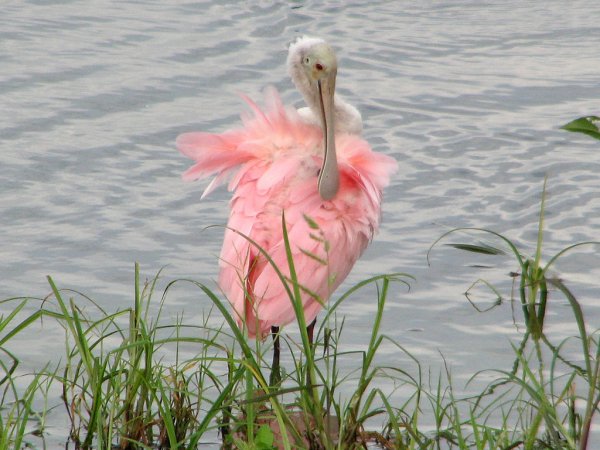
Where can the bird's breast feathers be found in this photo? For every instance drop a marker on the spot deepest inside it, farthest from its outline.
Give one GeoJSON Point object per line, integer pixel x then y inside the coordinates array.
{"type": "Point", "coordinates": [277, 149]}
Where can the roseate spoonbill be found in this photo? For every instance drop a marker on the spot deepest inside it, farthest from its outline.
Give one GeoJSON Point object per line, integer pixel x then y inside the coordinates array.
{"type": "Point", "coordinates": [311, 164]}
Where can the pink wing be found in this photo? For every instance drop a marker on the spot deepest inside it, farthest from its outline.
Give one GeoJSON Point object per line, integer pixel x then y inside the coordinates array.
{"type": "Point", "coordinates": [274, 162]}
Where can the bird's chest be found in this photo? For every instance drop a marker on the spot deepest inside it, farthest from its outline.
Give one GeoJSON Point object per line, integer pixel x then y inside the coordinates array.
{"type": "Point", "coordinates": [293, 183]}
{"type": "Point", "coordinates": [267, 190]}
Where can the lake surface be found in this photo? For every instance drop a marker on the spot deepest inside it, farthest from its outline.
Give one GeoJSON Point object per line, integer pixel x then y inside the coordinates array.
{"type": "Point", "coordinates": [468, 98]}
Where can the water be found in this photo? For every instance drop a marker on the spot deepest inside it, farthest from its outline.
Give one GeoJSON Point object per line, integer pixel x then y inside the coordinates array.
{"type": "Point", "coordinates": [468, 98]}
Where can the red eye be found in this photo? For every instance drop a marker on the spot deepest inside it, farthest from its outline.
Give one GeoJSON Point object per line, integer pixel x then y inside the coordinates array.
{"type": "Point", "coordinates": [319, 66]}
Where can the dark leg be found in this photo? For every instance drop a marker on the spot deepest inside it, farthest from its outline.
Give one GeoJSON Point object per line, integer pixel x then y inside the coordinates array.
{"type": "Point", "coordinates": [310, 330]}
{"type": "Point", "coordinates": [275, 372]}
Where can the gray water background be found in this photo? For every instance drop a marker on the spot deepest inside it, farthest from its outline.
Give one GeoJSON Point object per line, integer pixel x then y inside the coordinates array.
{"type": "Point", "coordinates": [467, 96]}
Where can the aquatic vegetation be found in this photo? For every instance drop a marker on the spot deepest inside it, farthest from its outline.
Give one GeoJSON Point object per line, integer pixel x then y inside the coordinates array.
{"type": "Point", "coordinates": [553, 391]}
{"type": "Point", "coordinates": [129, 379]}
{"type": "Point", "coordinates": [586, 125]}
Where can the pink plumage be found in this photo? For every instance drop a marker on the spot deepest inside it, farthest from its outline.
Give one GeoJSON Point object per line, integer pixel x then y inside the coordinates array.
{"type": "Point", "coordinates": [273, 162]}
{"type": "Point", "coordinates": [286, 161]}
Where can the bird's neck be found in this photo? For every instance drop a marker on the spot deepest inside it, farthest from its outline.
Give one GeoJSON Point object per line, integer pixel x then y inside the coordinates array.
{"type": "Point", "coordinates": [347, 117]}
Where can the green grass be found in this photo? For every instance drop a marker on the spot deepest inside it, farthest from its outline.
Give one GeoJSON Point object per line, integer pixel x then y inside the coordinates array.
{"type": "Point", "coordinates": [131, 380]}
{"type": "Point", "coordinates": [119, 388]}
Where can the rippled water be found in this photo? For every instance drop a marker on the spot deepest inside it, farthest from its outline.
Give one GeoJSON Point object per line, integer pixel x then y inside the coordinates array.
{"type": "Point", "coordinates": [468, 98]}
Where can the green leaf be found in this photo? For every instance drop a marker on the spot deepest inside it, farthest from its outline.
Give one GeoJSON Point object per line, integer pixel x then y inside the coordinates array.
{"type": "Point", "coordinates": [483, 248]}
{"type": "Point", "coordinates": [315, 257]}
{"type": "Point", "coordinates": [264, 438]}
{"type": "Point", "coordinates": [586, 125]}
{"type": "Point", "coordinates": [311, 222]}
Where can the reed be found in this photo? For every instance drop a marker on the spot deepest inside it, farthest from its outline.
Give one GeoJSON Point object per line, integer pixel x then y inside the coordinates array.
{"type": "Point", "coordinates": [126, 382]}
{"type": "Point", "coordinates": [549, 381]}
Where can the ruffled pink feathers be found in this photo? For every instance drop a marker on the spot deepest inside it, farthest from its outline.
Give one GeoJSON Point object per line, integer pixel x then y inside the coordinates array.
{"type": "Point", "coordinates": [266, 133]}
{"type": "Point", "coordinates": [263, 134]}
{"type": "Point", "coordinates": [273, 161]}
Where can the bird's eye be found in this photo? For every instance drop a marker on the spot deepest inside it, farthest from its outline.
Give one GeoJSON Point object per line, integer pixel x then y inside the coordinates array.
{"type": "Point", "coordinates": [307, 60]}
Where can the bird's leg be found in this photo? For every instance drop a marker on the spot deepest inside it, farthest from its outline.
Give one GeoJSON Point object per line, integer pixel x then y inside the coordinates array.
{"type": "Point", "coordinates": [275, 371]}
{"type": "Point", "coordinates": [310, 330]}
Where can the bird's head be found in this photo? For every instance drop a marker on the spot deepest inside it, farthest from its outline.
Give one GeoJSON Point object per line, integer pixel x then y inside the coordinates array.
{"type": "Point", "coordinates": [311, 61]}
{"type": "Point", "coordinates": [319, 63]}
{"type": "Point", "coordinates": [312, 64]}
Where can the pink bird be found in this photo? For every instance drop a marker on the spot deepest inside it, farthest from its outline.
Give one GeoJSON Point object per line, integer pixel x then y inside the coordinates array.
{"type": "Point", "coordinates": [311, 164]}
